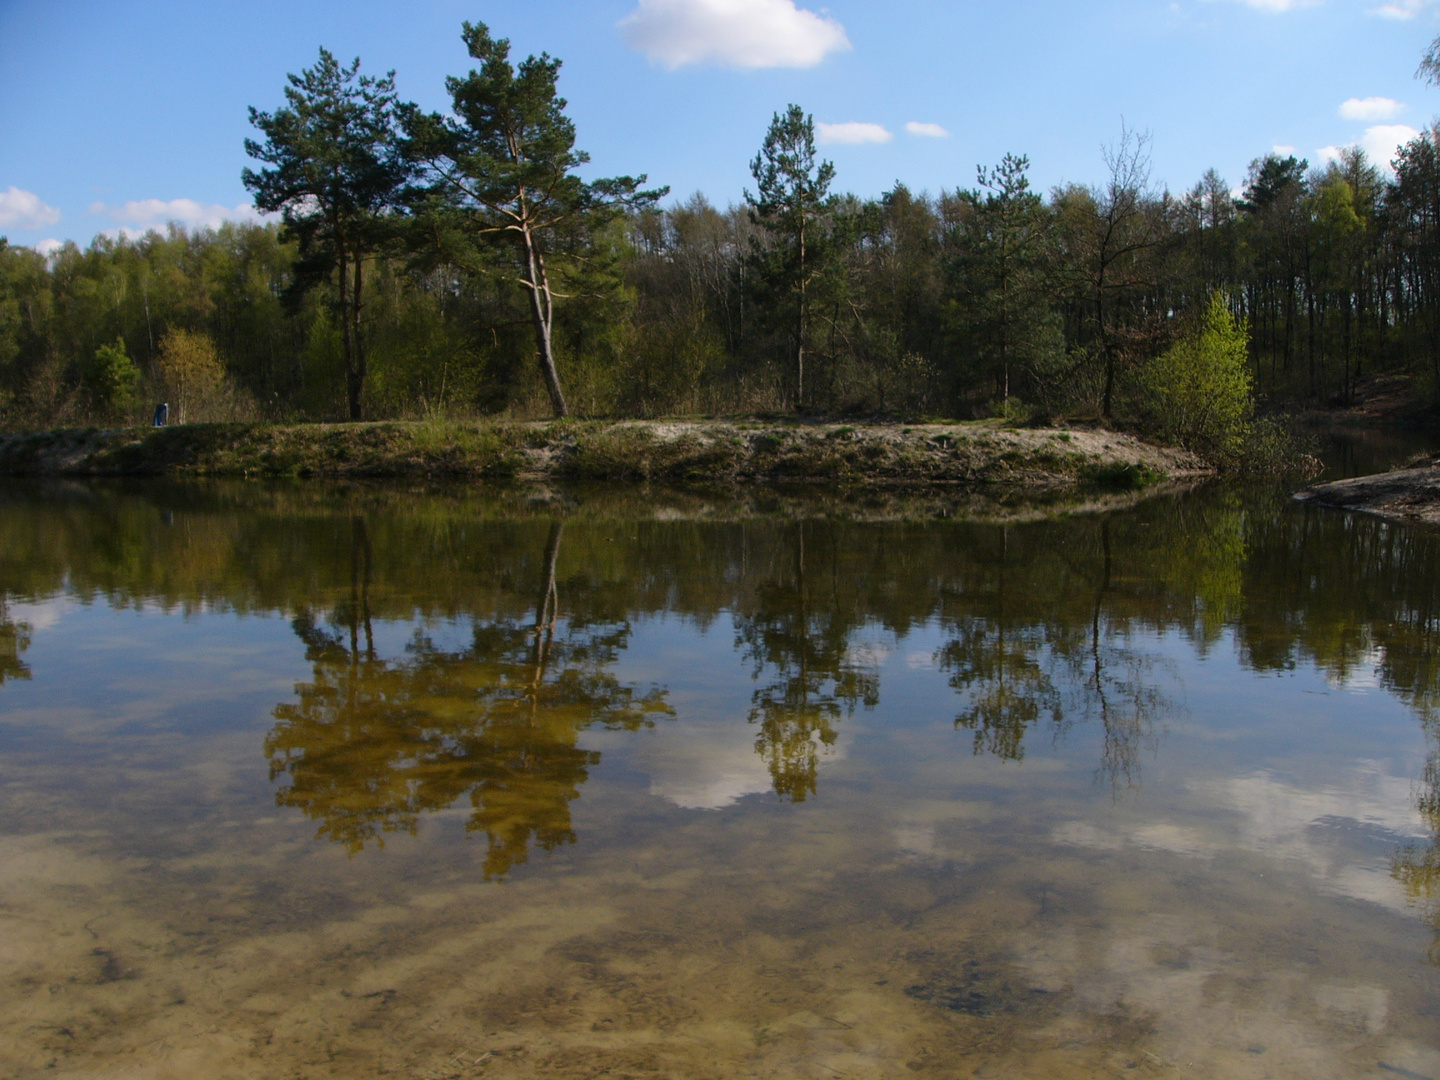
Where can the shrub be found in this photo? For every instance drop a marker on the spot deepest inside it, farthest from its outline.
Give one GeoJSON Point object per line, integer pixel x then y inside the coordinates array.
{"type": "Point", "coordinates": [1198, 393]}
{"type": "Point", "coordinates": [1122, 476]}
{"type": "Point", "coordinates": [190, 368]}
{"type": "Point", "coordinates": [112, 379]}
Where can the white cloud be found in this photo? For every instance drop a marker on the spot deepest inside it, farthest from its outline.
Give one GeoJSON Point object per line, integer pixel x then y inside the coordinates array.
{"type": "Point", "coordinates": [1382, 141]}
{"type": "Point", "coordinates": [1380, 144]}
{"type": "Point", "coordinates": [1283, 150]}
{"type": "Point", "coordinates": [853, 134]}
{"type": "Point", "coordinates": [1278, 5]}
{"type": "Point", "coordinates": [24, 210]}
{"type": "Point", "coordinates": [142, 215]}
{"type": "Point", "coordinates": [49, 247]}
{"type": "Point", "coordinates": [1400, 9]}
{"type": "Point", "coordinates": [928, 131]}
{"type": "Point", "coordinates": [1371, 108]}
{"type": "Point", "coordinates": [736, 33]}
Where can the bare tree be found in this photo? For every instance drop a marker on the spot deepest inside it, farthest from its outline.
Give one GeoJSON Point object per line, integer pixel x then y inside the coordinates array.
{"type": "Point", "coordinates": [1108, 232]}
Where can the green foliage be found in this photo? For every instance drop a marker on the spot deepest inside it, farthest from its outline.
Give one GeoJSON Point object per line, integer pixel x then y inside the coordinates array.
{"type": "Point", "coordinates": [335, 169]}
{"type": "Point", "coordinates": [792, 194]}
{"type": "Point", "coordinates": [426, 262]}
{"type": "Point", "coordinates": [1199, 390]}
{"type": "Point", "coordinates": [1001, 315]}
{"type": "Point", "coordinates": [500, 174]}
{"type": "Point", "coordinates": [1122, 476]}
{"type": "Point", "coordinates": [112, 379]}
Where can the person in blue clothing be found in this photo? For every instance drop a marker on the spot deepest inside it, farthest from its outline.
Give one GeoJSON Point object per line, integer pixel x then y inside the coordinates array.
{"type": "Point", "coordinates": [162, 414]}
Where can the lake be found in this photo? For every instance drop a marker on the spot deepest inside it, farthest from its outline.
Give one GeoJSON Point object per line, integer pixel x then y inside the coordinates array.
{"type": "Point", "coordinates": [324, 781]}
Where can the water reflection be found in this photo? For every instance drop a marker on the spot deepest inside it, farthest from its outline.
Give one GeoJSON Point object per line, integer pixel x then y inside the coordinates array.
{"type": "Point", "coordinates": [1417, 866]}
{"type": "Point", "coordinates": [14, 640]}
{"type": "Point", "coordinates": [512, 622]}
{"type": "Point", "coordinates": [800, 649]}
{"type": "Point", "coordinates": [370, 744]}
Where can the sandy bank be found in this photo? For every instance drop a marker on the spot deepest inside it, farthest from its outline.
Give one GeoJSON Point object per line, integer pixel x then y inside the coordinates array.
{"type": "Point", "coordinates": [671, 451]}
{"type": "Point", "coordinates": [1403, 495]}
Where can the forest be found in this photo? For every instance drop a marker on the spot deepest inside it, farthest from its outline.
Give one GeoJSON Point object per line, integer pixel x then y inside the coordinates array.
{"type": "Point", "coordinates": [457, 265]}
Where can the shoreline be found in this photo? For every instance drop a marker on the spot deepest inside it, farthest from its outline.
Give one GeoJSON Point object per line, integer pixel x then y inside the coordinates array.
{"type": "Point", "coordinates": [976, 453]}
{"type": "Point", "coordinates": [1406, 494]}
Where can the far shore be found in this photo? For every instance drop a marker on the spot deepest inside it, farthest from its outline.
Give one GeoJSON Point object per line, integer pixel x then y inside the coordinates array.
{"type": "Point", "coordinates": [979, 453]}
{"type": "Point", "coordinates": [1407, 494]}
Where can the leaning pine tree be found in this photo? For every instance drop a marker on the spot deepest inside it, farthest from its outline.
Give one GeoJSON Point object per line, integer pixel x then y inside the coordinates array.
{"type": "Point", "coordinates": [500, 172]}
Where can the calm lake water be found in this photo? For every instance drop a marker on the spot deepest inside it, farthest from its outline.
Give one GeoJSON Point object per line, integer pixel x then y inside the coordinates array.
{"type": "Point", "coordinates": [325, 782]}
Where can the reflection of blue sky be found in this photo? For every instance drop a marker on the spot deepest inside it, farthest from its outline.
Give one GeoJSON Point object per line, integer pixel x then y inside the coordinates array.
{"type": "Point", "coordinates": [115, 693]}
{"type": "Point", "coordinates": [1292, 767]}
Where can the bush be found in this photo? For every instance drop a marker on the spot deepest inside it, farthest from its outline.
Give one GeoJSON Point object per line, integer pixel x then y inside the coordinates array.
{"type": "Point", "coordinates": [1121, 476]}
{"type": "Point", "coordinates": [112, 380]}
{"type": "Point", "coordinates": [1198, 393]}
{"type": "Point", "coordinates": [193, 376]}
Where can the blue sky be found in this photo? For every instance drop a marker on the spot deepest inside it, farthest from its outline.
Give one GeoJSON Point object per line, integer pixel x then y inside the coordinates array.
{"type": "Point", "coordinates": [125, 114]}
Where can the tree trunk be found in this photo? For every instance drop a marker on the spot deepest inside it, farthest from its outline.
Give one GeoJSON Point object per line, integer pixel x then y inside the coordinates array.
{"type": "Point", "coordinates": [1105, 356]}
{"type": "Point", "coordinates": [355, 372]}
{"type": "Point", "coordinates": [800, 328]}
{"type": "Point", "coordinates": [546, 608]}
{"type": "Point", "coordinates": [542, 311]}
{"type": "Point", "coordinates": [346, 326]}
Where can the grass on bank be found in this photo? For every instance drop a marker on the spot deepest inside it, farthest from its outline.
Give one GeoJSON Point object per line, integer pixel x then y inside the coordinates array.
{"type": "Point", "coordinates": [686, 452]}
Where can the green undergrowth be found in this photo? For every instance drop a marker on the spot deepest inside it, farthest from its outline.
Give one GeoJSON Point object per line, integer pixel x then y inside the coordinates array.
{"type": "Point", "coordinates": [678, 452]}
{"type": "Point", "coordinates": [272, 450]}
{"type": "Point", "coordinates": [1122, 475]}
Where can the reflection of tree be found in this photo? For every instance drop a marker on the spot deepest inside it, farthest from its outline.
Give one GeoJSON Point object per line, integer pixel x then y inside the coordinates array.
{"type": "Point", "coordinates": [999, 667]}
{"type": "Point", "coordinates": [1127, 704]}
{"type": "Point", "coordinates": [14, 640]}
{"type": "Point", "coordinates": [370, 744]}
{"type": "Point", "coordinates": [1061, 654]}
{"type": "Point", "coordinates": [1417, 866]}
{"type": "Point", "coordinates": [806, 645]}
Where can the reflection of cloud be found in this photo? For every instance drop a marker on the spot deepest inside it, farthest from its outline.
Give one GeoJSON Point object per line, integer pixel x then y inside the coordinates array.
{"type": "Point", "coordinates": [1363, 1007]}
{"type": "Point", "coordinates": [1156, 836]}
{"type": "Point", "coordinates": [703, 765]}
{"type": "Point", "coordinates": [1221, 1010]}
{"type": "Point", "coordinates": [40, 615]}
{"type": "Point", "coordinates": [916, 840]}
{"type": "Point", "coordinates": [868, 654]}
{"type": "Point", "coordinates": [707, 764]}
{"type": "Point", "coordinates": [1362, 675]}
{"type": "Point", "coordinates": [1343, 833]}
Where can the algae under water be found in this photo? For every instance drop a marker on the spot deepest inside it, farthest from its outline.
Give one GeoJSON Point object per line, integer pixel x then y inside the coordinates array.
{"type": "Point", "coordinates": [327, 782]}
